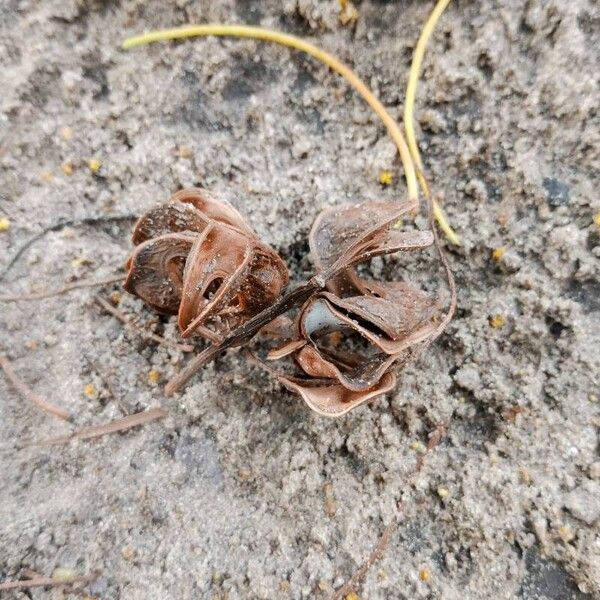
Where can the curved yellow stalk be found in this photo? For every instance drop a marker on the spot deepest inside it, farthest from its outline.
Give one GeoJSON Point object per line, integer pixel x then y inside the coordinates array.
{"type": "Point", "coordinates": [291, 41]}
{"type": "Point", "coordinates": [409, 105]}
{"type": "Point", "coordinates": [245, 31]}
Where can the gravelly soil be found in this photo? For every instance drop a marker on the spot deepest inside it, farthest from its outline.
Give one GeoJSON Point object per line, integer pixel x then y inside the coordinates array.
{"type": "Point", "coordinates": [242, 492]}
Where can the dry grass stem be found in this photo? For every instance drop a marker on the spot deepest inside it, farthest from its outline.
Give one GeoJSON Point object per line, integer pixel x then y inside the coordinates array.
{"type": "Point", "coordinates": [115, 312]}
{"type": "Point", "coordinates": [63, 290]}
{"type": "Point", "coordinates": [46, 582]}
{"type": "Point", "coordinates": [115, 426]}
{"type": "Point", "coordinates": [29, 394]}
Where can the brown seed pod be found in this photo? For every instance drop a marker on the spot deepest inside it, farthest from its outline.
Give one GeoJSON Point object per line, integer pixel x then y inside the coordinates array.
{"type": "Point", "coordinates": [197, 258]}
{"type": "Point", "coordinates": [349, 339]}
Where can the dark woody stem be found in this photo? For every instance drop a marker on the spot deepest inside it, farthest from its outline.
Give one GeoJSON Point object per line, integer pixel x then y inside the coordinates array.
{"type": "Point", "coordinates": [248, 330]}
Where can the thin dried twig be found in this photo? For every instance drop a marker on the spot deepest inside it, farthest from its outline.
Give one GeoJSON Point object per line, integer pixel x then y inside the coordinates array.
{"type": "Point", "coordinates": [140, 418]}
{"type": "Point", "coordinates": [63, 290]}
{"type": "Point", "coordinates": [381, 546]}
{"type": "Point", "coordinates": [376, 555]}
{"type": "Point", "coordinates": [61, 224]}
{"type": "Point", "coordinates": [46, 582]}
{"type": "Point", "coordinates": [115, 312]}
{"type": "Point", "coordinates": [28, 393]}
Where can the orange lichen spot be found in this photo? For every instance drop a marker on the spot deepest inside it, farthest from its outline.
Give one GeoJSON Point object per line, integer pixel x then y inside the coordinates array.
{"type": "Point", "coordinates": [47, 176]}
{"type": "Point", "coordinates": [348, 12]}
{"type": "Point", "coordinates": [418, 446]}
{"type": "Point", "coordinates": [184, 152]}
{"type": "Point", "coordinates": [424, 574]}
{"type": "Point", "coordinates": [81, 261]}
{"type": "Point", "coordinates": [442, 492]}
{"type": "Point", "coordinates": [66, 133]}
{"type": "Point", "coordinates": [90, 390]}
{"type": "Point", "coordinates": [68, 168]}
{"type": "Point", "coordinates": [153, 376]}
{"type": "Point", "coordinates": [386, 177]}
{"type": "Point", "coordinates": [497, 321]}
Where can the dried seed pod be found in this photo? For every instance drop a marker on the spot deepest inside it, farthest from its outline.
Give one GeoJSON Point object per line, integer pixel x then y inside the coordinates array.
{"type": "Point", "coordinates": [197, 258]}
{"type": "Point", "coordinates": [351, 235]}
{"type": "Point", "coordinates": [349, 338]}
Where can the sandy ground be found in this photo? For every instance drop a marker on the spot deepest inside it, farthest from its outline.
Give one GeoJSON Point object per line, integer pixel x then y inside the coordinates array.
{"type": "Point", "coordinates": [242, 492]}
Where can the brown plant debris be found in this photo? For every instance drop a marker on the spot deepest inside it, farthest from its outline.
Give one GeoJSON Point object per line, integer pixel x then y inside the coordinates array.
{"type": "Point", "coordinates": [134, 326]}
{"type": "Point", "coordinates": [195, 257]}
{"type": "Point", "coordinates": [28, 393]}
{"type": "Point", "coordinates": [63, 290]}
{"type": "Point", "coordinates": [86, 433]}
{"type": "Point", "coordinates": [46, 582]}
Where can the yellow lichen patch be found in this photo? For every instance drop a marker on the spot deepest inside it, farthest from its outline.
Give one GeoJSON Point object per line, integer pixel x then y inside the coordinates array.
{"type": "Point", "coordinates": [498, 253]}
{"type": "Point", "coordinates": [566, 534]}
{"type": "Point", "coordinates": [47, 176]}
{"type": "Point", "coordinates": [127, 552]}
{"type": "Point", "coordinates": [442, 492]}
{"type": "Point", "coordinates": [348, 12]}
{"type": "Point", "coordinates": [4, 224]}
{"type": "Point", "coordinates": [352, 596]}
{"type": "Point", "coordinates": [497, 321]}
{"type": "Point", "coordinates": [153, 376]}
{"type": "Point", "coordinates": [115, 297]}
{"type": "Point", "coordinates": [418, 446]}
{"type": "Point", "coordinates": [597, 219]}
{"type": "Point", "coordinates": [66, 133]}
{"type": "Point", "coordinates": [284, 586]}
{"type": "Point", "coordinates": [424, 574]}
{"type": "Point", "coordinates": [63, 574]}
{"type": "Point", "coordinates": [184, 152]}
{"type": "Point", "coordinates": [593, 398]}
{"type": "Point", "coordinates": [68, 168]}
{"type": "Point", "coordinates": [90, 390]}
{"type": "Point", "coordinates": [94, 165]}
{"type": "Point", "coordinates": [80, 261]}
{"type": "Point", "coordinates": [386, 177]}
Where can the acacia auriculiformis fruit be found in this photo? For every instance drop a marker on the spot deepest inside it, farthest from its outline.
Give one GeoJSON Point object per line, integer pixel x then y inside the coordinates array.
{"type": "Point", "coordinates": [197, 258]}
{"type": "Point", "coordinates": [387, 322]}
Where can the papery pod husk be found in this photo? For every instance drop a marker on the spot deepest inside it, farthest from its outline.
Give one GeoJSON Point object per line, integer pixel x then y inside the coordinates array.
{"type": "Point", "coordinates": [389, 326]}
{"type": "Point", "coordinates": [350, 235]}
{"type": "Point", "coordinates": [155, 271]}
{"type": "Point", "coordinates": [331, 399]}
{"type": "Point", "coordinates": [242, 275]}
{"type": "Point", "coordinates": [187, 210]}
{"type": "Point", "coordinates": [196, 257]}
